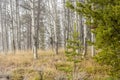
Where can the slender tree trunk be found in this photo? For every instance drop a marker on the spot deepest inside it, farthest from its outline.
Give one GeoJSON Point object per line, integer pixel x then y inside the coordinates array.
{"type": "Point", "coordinates": [92, 38]}
{"type": "Point", "coordinates": [37, 28]}
{"type": "Point", "coordinates": [92, 47]}
{"type": "Point", "coordinates": [2, 29]}
{"type": "Point", "coordinates": [67, 32]}
{"type": "Point", "coordinates": [55, 36]}
{"type": "Point", "coordinates": [85, 38]}
{"type": "Point", "coordinates": [76, 25]}
{"type": "Point", "coordinates": [12, 26]}
{"type": "Point", "coordinates": [6, 29]}
{"type": "Point", "coordinates": [34, 43]}
{"type": "Point", "coordinates": [81, 32]}
{"type": "Point", "coordinates": [64, 24]}
{"type": "Point", "coordinates": [18, 25]}
{"type": "Point", "coordinates": [55, 28]}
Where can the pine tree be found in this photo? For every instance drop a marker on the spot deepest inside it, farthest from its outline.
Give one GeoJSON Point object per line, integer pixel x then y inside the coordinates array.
{"type": "Point", "coordinates": [105, 16]}
{"type": "Point", "coordinates": [72, 53]}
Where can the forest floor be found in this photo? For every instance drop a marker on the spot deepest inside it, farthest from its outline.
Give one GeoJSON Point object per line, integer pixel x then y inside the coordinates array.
{"type": "Point", "coordinates": [22, 66]}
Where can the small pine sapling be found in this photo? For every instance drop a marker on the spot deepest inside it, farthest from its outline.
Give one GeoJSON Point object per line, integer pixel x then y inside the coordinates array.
{"type": "Point", "coordinates": [72, 52]}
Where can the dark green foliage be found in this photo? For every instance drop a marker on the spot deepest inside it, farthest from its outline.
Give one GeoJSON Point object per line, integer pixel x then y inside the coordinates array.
{"type": "Point", "coordinates": [104, 15]}
{"type": "Point", "coordinates": [68, 4]}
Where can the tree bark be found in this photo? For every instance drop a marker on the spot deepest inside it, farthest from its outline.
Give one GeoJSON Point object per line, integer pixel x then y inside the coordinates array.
{"type": "Point", "coordinates": [2, 34]}
{"type": "Point", "coordinates": [12, 27]}
{"type": "Point", "coordinates": [18, 26]}
{"type": "Point", "coordinates": [92, 47]}
{"type": "Point", "coordinates": [34, 43]}
{"type": "Point", "coordinates": [85, 39]}
{"type": "Point", "coordinates": [55, 28]}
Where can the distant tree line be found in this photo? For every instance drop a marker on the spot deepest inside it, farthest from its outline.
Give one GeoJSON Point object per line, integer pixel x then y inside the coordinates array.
{"type": "Point", "coordinates": [40, 24]}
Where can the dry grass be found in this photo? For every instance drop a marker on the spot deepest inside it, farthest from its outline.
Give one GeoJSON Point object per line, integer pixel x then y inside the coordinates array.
{"type": "Point", "coordinates": [47, 62]}
{"type": "Point", "coordinates": [25, 59]}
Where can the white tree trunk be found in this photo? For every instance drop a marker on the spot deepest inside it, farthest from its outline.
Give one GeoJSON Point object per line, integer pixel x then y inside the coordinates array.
{"type": "Point", "coordinates": [85, 38]}
{"type": "Point", "coordinates": [6, 29]}
{"type": "Point", "coordinates": [12, 26]}
{"type": "Point", "coordinates": [92, 47]}
{"type": "Point", "coordinates": [55, 27]}
{"type": "Point", "coordinates": [1, 16]}
{"type": "Point", "coordinates": [34, 47]}
{"type": "Point", "coordinates": [18, 26]}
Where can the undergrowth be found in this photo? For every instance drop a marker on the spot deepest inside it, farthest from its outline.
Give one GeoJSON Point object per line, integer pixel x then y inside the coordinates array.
{"type": "Point", "coordinates": [50, 67]}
